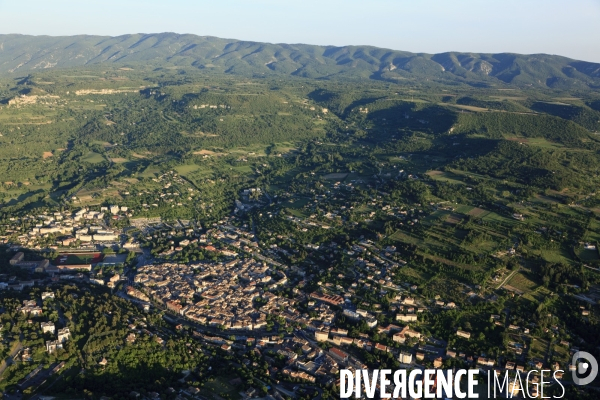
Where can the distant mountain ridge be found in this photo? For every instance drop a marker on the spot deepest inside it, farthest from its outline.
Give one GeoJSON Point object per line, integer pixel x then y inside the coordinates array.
{"type": "Point", "coordinates": [21, 54]}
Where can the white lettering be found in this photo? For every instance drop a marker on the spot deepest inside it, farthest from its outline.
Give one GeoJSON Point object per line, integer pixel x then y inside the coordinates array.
{"type": "Point", "coordinates": [472, 382]}
{"type": "Point", "coordinates": [444, 381]}
{"type": "Point", "coordinates": [400, 385]}
{"type": "Point", "coordinates": [497, 383]}
{"type": "Point", "coordinates": [457, 392]}
{"type": "Point", "coordinates": [412, 384]}
{"type": "Point", "coordinates": [514, 386]}
{"type": "Point", "coordinates": [542, 383]}
{"type": "Point", "coordinates": [534, 384]}
{"type": "Point", "coordinates": [346, 384]}
{"type": "Point", "coordinates": [561, 385]}
{"type": "Point", "coordinates": [417, 383]}
{"type": "Point", "coordinates": [428, 383]}
{"type": "Point", "coordinates": [383, 383]}
{"type": "Point", "coordinates": [370, 383]}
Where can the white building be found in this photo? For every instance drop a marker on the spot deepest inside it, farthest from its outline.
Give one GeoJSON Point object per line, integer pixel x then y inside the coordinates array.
{"type": "Point", "coordinates": [47, 295]}
{"type": "Point", "coordinates": [64, 335]}
{"type": "Point", "coordinates": [405, 358]}
{"type": "Point", "coordinates": [47, 327]}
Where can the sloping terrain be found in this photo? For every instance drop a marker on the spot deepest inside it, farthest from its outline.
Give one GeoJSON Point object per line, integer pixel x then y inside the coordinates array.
{"type": "Point", "coordinates": [20, 54]}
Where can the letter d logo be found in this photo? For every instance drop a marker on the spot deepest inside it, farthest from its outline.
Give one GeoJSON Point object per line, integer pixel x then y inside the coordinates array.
{"type": "Point", "coordinates": [589, 365]}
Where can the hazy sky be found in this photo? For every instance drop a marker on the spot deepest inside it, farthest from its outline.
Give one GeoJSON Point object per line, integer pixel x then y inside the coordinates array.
{"type": "Point", "coordinates": [566, 27]}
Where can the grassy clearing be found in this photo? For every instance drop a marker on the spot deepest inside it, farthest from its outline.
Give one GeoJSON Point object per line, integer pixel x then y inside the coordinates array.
{"type": "Point", "coordinates": [412, 100]}
{"type": "Point", "coordinates": [555, 256]}
{"type": "Point", "coordinates": [243, 168]}
{"type": "Point", "coordinates": [335, 176]}
{"type": "Point", "coordinates": [400, 236]}
{"type": "Point", "coordinates": [395, 159]}
{"type": "Point", "coordinates": [187, 169]}
{"type": "Point", "coordinates": [593, 233]}
{"type": "Point", "coordinates": [453, 218]}
{"type": "Point", "coordinates": [409, 272]}
{"type": "Point", "coordinates": [298, 203]}
{"type": "Point", "coordinates": [588, 255]}
{"type": "Point", "coordinates": [15, 117]}
{"type": "Point", "coordinates": [297, 213]}
{"type": "Point", "coordinates": [445, 177]}
{"type": "Point", "coordinates": [464, 209]}
{"type": "Point", "coordinates": [460, 174]}
{"type": "Point", "coordinates": [82, 106]}
{"type": "Point", "coordinates": [492, 216]}
{"type": "Point", "coordinates": [435, 216]}
{"type": "Point", "coordinates": [517, 98]}
{"type": "Point", "coordinates": [545, 199]}
{"type": "Point", "coordinates": [538, 348]}
{"type": "Point", "coordinates": [101, 143]}
{"type": "Point", "coordinates": [538, 142]}
{"type": "Point", "coordinates": [208, 153]}
{"type": "Point", "coordinates": [150, 172]}
{"type": "Point", "coordinates": [451, 263]}
{"type": "Point", "coordinates": [538, 295]}
{"type": "Point", "coordinates": [136, 155]}
{"type": "Point", "coordinates": [198, 134]}
{"type": "Point", "coordinates": [463, 107]}
{"type": "Point", "coordinates": [435, 173]}
{"type": "Point", "coordinates": [478, 212]}
{"type": "Point", "coordinates": [483, 246]}
{"type": "Point", "coordinates": [560, 352]}
{"type": "Point", "coordinates": [93, 158]}
{"type": "Point", "coordinates": [95, 197]}
{"type": "Point", "coordinates": [220, 386]}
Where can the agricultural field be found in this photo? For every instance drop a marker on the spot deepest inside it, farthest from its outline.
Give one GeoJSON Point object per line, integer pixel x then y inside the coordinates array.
{"type": "Point", "coordinates": [521, 283]}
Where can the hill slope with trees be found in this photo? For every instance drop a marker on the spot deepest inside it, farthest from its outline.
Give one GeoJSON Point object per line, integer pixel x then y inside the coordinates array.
{"type": "Point", "coordinates": [20, 54]}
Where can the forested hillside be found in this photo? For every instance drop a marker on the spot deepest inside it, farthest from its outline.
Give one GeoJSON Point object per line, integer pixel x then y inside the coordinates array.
{"type": "Point", "coordinates": [21, 54]}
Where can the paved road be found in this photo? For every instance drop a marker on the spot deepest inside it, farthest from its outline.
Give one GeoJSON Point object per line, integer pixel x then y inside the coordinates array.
{"type": "Point", "coordinates": [9, 360]}
{"type": "Point", "coordinates": [37, 395]}
{"type": "Point", "coordinates": [286, 392]}
{"type": "Point", "coordinates": [588, 267]}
